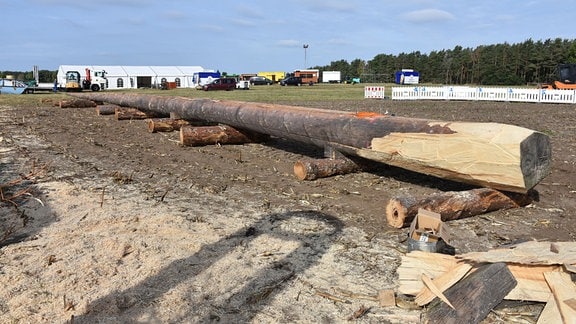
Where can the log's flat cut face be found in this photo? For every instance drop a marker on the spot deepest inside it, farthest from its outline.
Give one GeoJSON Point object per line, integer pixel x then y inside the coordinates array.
{"type": "Point", "coordinates": [498, 155]}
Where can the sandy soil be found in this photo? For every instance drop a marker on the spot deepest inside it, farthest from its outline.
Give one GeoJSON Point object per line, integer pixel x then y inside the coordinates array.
{"type": "Point", "coordinates": [119, 225]}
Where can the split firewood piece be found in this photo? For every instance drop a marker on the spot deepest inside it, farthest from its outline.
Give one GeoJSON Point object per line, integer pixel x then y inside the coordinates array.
{"type": "Point", "coordinates": [532, 252]}
{"type": "Point", "coordinates": [442, 282]}
{"type": "Point", "coordinates": [452, 205]}
{"type": "Point", "coordinates": [106, 109]}
{"type": "Point", "coordinates": [416, 263]}
{"type": "Point", "coordinates": [550, 313]}
{"type": "Point", "coordinates": [312, 169]}
{"type": "Point", "coordinates": [435, 290]}
{"type": "Point", "coordinates": [474, 296]}
{"type": "Point", "coordinates": [165, 124]}
{"type": "Point", "coordinates": [531, 285]}
{"type": "Point", "coordinates": [563, 290]}
{"type": "Point", "coordinates": [77, 103]}
{"type": "Point", "coordinates": [222, 134]}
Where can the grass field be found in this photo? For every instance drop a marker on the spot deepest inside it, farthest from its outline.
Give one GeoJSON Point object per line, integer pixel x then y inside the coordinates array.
{"type": "Point", "coordinates": [269, 94]}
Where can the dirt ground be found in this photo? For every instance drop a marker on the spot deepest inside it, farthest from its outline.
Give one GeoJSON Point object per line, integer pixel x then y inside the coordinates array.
{"type": "Point", "coordinates": [119, 225]}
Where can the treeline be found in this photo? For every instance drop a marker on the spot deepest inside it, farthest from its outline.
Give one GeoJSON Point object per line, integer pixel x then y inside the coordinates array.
{"type": "Point", "coordinates": [530, 62]}
{"type": "Point", "coordinates": [43, 75]}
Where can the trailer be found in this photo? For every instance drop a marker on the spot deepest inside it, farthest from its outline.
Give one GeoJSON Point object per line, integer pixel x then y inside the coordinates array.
{"type": "Point", "coordinates": [331, 77]}
{"type": "Point", "coordinates": [199, 79]}
{"type": "Point", "coordinates": [310, 76]}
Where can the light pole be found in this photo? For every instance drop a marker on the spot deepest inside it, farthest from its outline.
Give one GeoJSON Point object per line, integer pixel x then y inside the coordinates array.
{"type": "Point", "coordinates": [305, 48]}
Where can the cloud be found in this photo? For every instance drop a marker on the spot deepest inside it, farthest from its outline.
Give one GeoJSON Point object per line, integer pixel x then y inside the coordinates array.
{"type": "Point", "coordinates": [289, 43]}
{"type": "Point", "coordinates": [428, 15]}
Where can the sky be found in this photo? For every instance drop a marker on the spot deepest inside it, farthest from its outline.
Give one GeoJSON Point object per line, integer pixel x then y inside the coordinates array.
{"type": "Point", "coordinates": [251, 36]}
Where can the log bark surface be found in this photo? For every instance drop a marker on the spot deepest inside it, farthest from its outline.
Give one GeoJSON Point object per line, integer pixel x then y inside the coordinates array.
{"type": "Point", "coordinates": [400, 211]}
{"type": "Point", "coordinates": [77, 103]}
{"type": "Point", "coordinates": [494, 155]}
{"type": "Point", "coordinates": [130, 113]}
{"type": "Point", "coordinates": [165, 124]}
{"type": "Point", "coordinates": [312, 169]}
{"type": "Point", "coordinates": [474, 296]}
{"type": "Point", "coordinates": [210, 135]}
{"type": "Point", "coordinates": [106, 109]}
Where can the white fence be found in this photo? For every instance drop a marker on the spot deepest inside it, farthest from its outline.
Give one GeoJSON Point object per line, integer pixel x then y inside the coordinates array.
{"type": "Point", "coordinates": [481, 93]}
{"type": "Point", "coordinates": [374, 92]}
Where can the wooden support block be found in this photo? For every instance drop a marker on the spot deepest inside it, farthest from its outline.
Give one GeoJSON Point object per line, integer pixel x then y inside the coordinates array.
{"type": "Point", "coordinates": [474, 296]}
{"type": "Point", "coordinates": [386, 298]}
{"type": "Point", "coordinates": [210, 135]}
{"type": "Point", "coordinates": [129, 114]}
{"type": "Point", "coordinates": [77, 103]}
{"type": "Point", "coordinates": [106, 109]}
{"type": "Point", "coordinates": [452, 205]}
{"type": "Point", "coordinates": [312, 169]}
{"type": "Point", "coordinates": [165, 124]}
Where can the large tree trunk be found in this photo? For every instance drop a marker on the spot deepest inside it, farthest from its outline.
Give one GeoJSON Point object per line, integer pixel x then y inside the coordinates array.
{"type": "Point", "coordinates": [495, 155]}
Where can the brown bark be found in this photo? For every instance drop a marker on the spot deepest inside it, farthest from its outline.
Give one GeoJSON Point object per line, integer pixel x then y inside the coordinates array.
{"type": "Point", "coordinates": [77, 103]}
{"type": "Point", "coordinates": [106, 109]}
{"type": "Point", "coordinates": [504, 157]}
{"type": "Point", "coordinates": [474, 296]}
{"type": "Point", "coordinates": [165, 124]}
{"type": "Point", "coordinates": [452, 205]}
{"type": "Point", "coordinates": [311, 169]}
{"type": "Point", "coordinates": [210, 135]}
{"type": "Point", "coordinates": [130, 113]}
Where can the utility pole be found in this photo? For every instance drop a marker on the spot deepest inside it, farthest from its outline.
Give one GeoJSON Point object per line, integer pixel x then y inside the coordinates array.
{"type": "Point", "coordinates": [305, 48]}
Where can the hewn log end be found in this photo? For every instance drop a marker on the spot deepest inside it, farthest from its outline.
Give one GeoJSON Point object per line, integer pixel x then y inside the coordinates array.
{"type": "Point", "coordinates": [304, 171]}
{"type": "Point", "coordinates": [536, 158]}
{"type": "Point", "coordinates": [397, 213]}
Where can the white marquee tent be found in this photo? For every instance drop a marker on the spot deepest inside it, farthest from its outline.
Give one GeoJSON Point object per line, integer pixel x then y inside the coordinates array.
{"type": "Point", "coordinates": [134, 77]}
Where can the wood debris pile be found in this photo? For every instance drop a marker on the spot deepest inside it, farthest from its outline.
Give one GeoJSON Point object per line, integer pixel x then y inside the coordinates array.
{"type": "Point", "coordinates": [465, 288]}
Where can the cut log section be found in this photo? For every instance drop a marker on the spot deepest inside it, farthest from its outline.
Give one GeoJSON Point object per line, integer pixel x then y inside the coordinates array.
{"type": "Point", "coordinates": [106, 109]}
{"type": "Point", "coordinates": [452, 205]}
{"type": "Point", "coordinates": [500, 156]}
{"type": "Point", "coordinates": [312, 169]}
{"type": "Point", "coordinates": [210, 135]}
{"type": "Point", "coordinates": [165, 124]}
{"type": "Point", "coordinates": [77, 103]}
{"type": "Point", "coordinates": [474, 296]}
{"type": "Point", "coordinates": [130, 114]}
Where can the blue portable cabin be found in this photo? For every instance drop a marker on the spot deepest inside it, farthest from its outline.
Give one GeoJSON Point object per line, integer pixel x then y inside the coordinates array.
{"type": "Point", "coordinates": [407, 76]}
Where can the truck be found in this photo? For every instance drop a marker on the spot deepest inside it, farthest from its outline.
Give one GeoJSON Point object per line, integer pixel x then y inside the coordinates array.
{"type": "Point", "coordinates": [93, 80]}
{"type": "Point", "coordinates": [331, 77]}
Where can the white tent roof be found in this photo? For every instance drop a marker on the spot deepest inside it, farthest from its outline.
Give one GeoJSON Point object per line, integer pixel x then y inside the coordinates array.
{"type": "Point", "coordinates": [135, 70]}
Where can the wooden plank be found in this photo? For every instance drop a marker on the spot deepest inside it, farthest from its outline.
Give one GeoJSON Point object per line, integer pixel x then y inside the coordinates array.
{"type": "Point", "coordinates": [474, 296]}
{"type": "Point", "coordinates": [550, 313]}
{"type": "Point", "coordinates": [563, 290]}
{"type": "Point", "coordinates": [532, 252]}
{"type": "Point", "coordinates": [500, 156]}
